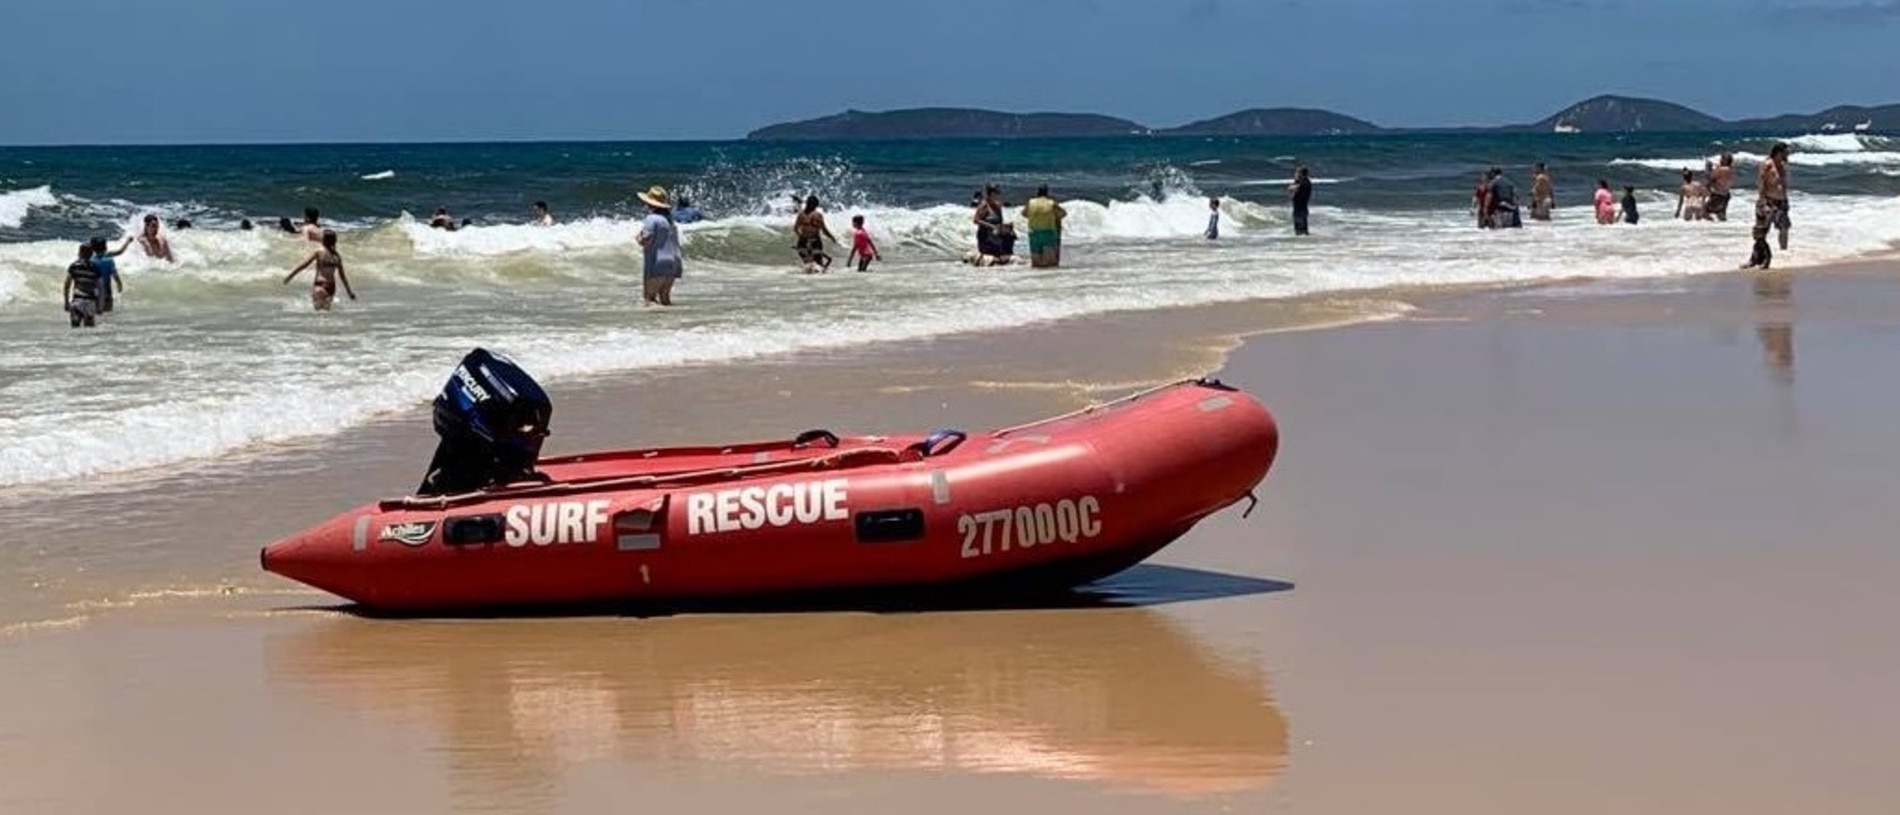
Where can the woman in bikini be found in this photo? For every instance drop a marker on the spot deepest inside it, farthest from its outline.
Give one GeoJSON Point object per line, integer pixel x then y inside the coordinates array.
{"type": "Point", "coordinates": [329, 270]}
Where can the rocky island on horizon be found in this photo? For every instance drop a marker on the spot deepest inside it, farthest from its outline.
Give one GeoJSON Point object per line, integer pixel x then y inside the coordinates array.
{"type": "Point", "coordinates": [1600, 114]}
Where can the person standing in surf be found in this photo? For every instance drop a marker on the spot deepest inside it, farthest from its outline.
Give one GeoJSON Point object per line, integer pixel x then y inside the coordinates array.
{"type": "Point", "coordinates": [1605, 202]}
{"type": "Point", "coordinates": [311, 230]}
{"type": "Point", "coordinates": [108, 267]}
{"type": "Point", "coordinates": [1771, 206]}
{"type": "Point", "coordinates": [1045, 217]}
{"type": "Point", "coordinates": [863, 250]}
{"type": "Point", "coordinates": [541, 215]}
{"type": "Point", "coordinates": [1301, 191]}
{"type": "Point", "coordinates": [328, 272]}
{"type": "Point", "coordinates": [1721, 179]}
{"type": "Point", "coordinates": [154, 244]}
{"type": "Point", "coordinates": [810, 229]}
{"type": "Point", "coordinates": [80, 292]}
{"type": "Point", "coordinates": [661, 262]}
{"type": "Point", "coordinates": [987, 217]}
{"type": "Point", "coordinates": [1543, 196]}
{"type": "Point", "coordinates": [1501, 197]}
{"type": "Point", "coordinates": [1213, 218]}
{"type": "Point", "coordinates": [1480, 203]}
{"type": "Point", "coordinates": [1692, 199]}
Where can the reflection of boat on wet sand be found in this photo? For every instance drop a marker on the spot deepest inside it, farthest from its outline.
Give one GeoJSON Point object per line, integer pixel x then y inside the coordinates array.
{"type": "Point", "coordinates": [1119, 697]}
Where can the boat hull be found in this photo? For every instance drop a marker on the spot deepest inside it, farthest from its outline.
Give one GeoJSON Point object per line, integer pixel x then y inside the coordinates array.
{"type": "Point", "coordinates": [1053, 504]}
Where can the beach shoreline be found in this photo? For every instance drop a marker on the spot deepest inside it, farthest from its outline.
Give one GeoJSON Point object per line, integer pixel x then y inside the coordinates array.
{"type": "Point", "coordinates": [1564, 547]}
{"type": "Point", "coordinates": [969, 380]}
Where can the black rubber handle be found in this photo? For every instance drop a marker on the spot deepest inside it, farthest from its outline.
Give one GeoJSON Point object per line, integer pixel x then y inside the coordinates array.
{"type": "Point", "coordinates": [829, 438]}
{"type": "Point", "coordinates": [929, 446]}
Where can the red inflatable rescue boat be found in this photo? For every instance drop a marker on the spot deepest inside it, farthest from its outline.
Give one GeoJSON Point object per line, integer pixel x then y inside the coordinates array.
{"type": "Point", "coordinates": [1055, 503]}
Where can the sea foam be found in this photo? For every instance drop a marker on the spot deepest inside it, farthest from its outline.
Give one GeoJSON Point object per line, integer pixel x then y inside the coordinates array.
{"type": "Point", "coordinates": [245, 363]}
{"type": "Point", "coordinates": [15, 204]}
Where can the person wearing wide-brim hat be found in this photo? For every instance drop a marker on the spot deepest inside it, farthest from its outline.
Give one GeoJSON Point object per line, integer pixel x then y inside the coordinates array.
{"type": "Point", "coordinates": [659, 240]}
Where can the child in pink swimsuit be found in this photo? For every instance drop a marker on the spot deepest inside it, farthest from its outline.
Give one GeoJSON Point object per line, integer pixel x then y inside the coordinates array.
{"type": "Point", "coordinates": [1606, 203]}
{"type": "Point", "coordinates": [862, 249]}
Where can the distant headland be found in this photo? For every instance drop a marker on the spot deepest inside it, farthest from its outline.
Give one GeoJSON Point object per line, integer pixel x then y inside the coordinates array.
{"type": "Point", "coordinates": [1602, 114]}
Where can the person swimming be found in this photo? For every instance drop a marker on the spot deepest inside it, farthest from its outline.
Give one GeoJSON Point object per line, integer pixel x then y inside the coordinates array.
{"type": "Point", "coordinates": [311, 230]}
{"type": "Point", "coordinates": [541, 215]}
{"type": "Point", "coordinates": [154, 244]}
{"type": "Point", "coordinates": [686, 213]}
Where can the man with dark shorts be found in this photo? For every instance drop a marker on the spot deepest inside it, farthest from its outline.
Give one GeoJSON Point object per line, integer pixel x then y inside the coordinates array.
{"type": "Point", "coordinates": [1721, 179]}
{"type": "Point", "coordinates": [1501, 198]}
{"type": "Point", "coordinates": [1302, 193]}
{"type": "Point", "coordinates": [1771, 206]}
{"type": "Point", "coordinates": [81, 291]}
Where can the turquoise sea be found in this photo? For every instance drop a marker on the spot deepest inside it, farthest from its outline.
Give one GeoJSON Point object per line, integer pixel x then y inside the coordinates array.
{"type": "Point", "coordinates": [212, 356]}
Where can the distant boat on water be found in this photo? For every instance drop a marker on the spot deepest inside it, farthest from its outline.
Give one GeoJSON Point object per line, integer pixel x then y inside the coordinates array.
{"type": "Point", "coordinates": [1864, 126]}
{"type": "Point", "coordinates": [1565, 127]}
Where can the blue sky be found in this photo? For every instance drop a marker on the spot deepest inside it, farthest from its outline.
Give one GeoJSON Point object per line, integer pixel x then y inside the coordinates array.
{"type": "Point", "coordinates": [398, 70]}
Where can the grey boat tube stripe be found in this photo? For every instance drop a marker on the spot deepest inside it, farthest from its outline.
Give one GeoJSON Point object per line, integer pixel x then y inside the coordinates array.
{"type": "Point", "coordinates": [359, 537]}
{"type": "Point", "coordinates": [940, 487]}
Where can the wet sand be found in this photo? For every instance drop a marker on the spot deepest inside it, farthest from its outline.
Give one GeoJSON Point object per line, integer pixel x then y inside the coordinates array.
{"type": "Point", "coordinates": [1525, 550]}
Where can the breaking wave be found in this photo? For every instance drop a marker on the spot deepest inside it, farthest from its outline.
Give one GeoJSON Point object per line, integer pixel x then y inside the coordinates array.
{"type": "Point", "coordinates": [15, 204]}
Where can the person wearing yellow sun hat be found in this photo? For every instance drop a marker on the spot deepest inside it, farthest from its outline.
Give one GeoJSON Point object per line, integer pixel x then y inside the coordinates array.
{"type": "Point", "coordinates": [659, 241]}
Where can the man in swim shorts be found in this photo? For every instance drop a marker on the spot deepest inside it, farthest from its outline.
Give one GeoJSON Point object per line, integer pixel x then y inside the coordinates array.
{"type": "Point", "coordinates": [1543, 196]}
{"type": "Point", "coordinates": [1045, 229]}
{"type": "Point", "coordinates": [1771, 207]}
{"type": "Point", "coordinates": [81, 290]}
{"type": "Point", "coordinates": [1721, 178]}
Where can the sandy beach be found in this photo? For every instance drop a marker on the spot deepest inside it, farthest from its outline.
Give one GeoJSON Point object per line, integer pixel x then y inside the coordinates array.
{"type": "Point", "coordinates": [1585, 548]}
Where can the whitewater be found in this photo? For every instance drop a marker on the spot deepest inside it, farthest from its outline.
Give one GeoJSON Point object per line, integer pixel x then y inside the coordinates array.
{"type": "Point", "coordinates": [213, 357]}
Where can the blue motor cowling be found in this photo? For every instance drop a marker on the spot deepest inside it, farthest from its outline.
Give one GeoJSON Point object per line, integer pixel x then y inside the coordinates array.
{"type": "Point", "coordinates": [492, 418]}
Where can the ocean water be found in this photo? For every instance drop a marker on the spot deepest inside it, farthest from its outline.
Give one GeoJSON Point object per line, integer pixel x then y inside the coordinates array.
{"type": "Point", "coordinates": [212, 357]}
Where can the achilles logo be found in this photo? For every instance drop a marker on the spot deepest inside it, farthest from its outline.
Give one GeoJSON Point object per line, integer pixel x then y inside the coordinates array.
{"type": "Point", "coordinates": [806, 502]}
{"type": "Point", "coordinates": [412, 533]}
{"type": "Point", "coordinates": [555, 523]}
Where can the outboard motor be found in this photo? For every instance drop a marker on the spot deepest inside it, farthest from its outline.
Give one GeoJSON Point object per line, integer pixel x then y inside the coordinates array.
{"type": "Point", "coordinates": [492, 418]}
